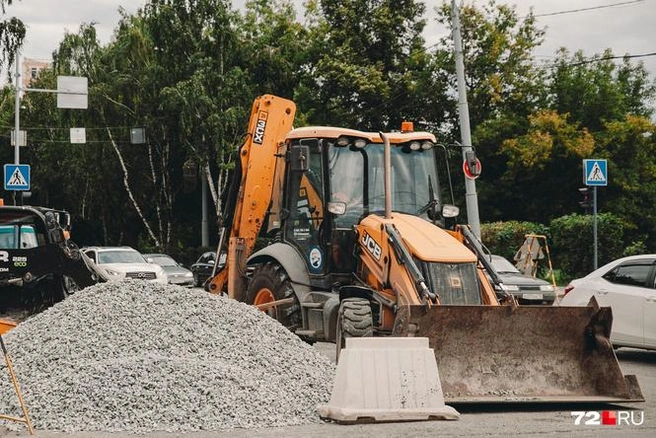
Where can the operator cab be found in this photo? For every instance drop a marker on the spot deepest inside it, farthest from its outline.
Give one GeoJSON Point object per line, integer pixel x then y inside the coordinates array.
{"type": "Point", "coordinates": [328, 193]}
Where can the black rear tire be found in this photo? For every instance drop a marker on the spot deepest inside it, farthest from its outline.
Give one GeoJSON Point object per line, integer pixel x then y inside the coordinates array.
{"type": "Point", "coordinates": [269, 283]}
{"type": "Point", "coordinates": [354, 320]}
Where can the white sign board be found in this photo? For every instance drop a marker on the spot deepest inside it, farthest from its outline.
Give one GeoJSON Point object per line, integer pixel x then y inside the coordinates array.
{"type": "Point", "coordinates": [22, 138]}
{"type": "Point", "coordinates": [78, 135]}
{"type": "Point", "coordinates": [72, 92]}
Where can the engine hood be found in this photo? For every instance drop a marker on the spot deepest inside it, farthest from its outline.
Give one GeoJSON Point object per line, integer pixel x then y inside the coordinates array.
{"type": "Point", "coordinates": [424, 240]}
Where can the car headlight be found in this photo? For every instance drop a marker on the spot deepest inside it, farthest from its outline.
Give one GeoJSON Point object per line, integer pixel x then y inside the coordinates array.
{"type": "Point", "coordinates": [547, 288]}
{"type": "Point", "coordinates": [510, 288]}
{"type": "Point", "coordinates": [112, 272]}
{"type": "Point", "coordinates": [188, 275]}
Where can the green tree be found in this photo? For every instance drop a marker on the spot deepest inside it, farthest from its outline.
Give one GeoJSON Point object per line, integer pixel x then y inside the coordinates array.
{"type": "Point", "coordinates": [274, 45]}
{"type": "Point", "coordinates": [593, 91]}
{"type": "Point", "coordinates": [504, 86]}
{"type": "Point", "coordinates": [12, 34]}
{"type": "Point", "coordinates": [364, 73]}
{"type": "Point", "coordinates": [630, 147]}
{"type": "Point", "coordinates": [501, 75]}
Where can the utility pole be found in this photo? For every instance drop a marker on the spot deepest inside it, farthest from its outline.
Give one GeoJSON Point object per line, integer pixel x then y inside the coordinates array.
{"type": "Point", "coordinates": [465, 130]}
{"type": "Point", "coordinates": [72, 92]}
{"type": "Point", "coordinates": [18, 197]}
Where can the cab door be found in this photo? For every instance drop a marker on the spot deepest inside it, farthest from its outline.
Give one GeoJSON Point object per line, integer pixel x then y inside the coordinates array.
{"type": "Point", "coordinates": [304, 201]}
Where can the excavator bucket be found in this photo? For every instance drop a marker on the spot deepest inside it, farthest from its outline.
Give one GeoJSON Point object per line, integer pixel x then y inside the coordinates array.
{"type": "Point", "coordinates": [522, 354]}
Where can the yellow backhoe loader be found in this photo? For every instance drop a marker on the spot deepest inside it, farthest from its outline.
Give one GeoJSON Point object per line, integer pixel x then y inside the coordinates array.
{"type": "Point", "coordinates": [362, 244]}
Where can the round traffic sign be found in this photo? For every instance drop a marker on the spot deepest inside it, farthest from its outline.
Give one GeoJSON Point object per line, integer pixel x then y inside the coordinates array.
{"type": "Point", "coordinates": [472, 173]}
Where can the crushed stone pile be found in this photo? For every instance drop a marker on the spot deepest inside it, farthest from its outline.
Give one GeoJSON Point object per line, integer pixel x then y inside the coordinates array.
{"type": "Point", "coordinates": [139, 357]}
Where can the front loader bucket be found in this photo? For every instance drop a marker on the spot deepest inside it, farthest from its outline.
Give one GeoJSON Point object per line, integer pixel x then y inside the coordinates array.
{"type": "Point", "coordinates": [522, 354]}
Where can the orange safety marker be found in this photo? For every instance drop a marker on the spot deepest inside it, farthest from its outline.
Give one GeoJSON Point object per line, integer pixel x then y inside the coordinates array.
{"type": "Point", "coordinates": [26, 418]}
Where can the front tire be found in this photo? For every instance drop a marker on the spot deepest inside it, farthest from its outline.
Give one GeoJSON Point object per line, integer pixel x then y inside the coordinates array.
{"type": "Point", "coordinates": [270, 283]}
{"type": "Point", "coordinates": [354, 320]}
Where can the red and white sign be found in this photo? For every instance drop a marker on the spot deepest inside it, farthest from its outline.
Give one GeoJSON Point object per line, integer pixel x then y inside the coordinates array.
{"type": "Point", "coordinates": [472, 173]}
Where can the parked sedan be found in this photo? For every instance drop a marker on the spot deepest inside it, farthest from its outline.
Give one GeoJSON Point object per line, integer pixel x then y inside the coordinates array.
{"type": "Point", "coordinates": [628, 286]}
{"type": "Point", "coordinates": [527, 290]}
{"type": "Point", "coordinates": [177, 274]}
{"type": "Point", "coordinates": [202, 269]}
{"type": "Point", "coordinates": [123, 262]}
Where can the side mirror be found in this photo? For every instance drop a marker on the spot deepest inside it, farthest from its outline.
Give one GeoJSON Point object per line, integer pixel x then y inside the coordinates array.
{"type": "Point", "coordinates": [449, 210]}
{"type": "Point", "coordinates": [300, 158]}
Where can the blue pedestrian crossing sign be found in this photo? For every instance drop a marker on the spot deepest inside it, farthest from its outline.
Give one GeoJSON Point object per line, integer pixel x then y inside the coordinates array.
{"type": "Point", "coordinates": [595, 172]}
{"type": "Point", "coordinates": [17, 177]}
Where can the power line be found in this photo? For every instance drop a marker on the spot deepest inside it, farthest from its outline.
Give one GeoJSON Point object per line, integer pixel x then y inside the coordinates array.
{"type": "Point", "coordinates": [606, 58]}
{"type": "Point", "coordinates": [592, 8]}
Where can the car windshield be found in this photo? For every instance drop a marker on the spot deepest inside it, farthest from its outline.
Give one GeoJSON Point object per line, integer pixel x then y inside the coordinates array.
{"type": "Point", "coordinates": [503, 266]}
{"type": "Point", "coordinates": [162, 260]}
{"type": "Point", "coordinates": [120, 256]}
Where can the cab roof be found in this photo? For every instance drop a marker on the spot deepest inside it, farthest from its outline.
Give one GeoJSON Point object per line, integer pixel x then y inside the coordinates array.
{"type": "Point", "coordinates": [394, 137]}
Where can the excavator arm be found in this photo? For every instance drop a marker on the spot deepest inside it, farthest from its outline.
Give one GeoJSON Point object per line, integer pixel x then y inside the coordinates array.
{"type": "Point", "coordinates": [252, 192]}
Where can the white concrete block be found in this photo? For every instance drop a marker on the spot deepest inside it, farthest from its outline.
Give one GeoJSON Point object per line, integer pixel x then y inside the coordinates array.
{"type": "Point", "coordinates": [386, 380]}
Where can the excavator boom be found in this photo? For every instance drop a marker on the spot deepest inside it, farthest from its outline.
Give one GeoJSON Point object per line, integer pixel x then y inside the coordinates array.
{"type": "Point", "coordinates": [250, 195]}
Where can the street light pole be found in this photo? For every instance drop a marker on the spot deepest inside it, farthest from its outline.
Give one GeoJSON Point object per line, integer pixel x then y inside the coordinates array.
{"type": "Point", "coordinates": [465, 131]}
{"type": "Point", "coordinates": [17, 113]}
{"type": "Point", "coordinates": [19, 195]}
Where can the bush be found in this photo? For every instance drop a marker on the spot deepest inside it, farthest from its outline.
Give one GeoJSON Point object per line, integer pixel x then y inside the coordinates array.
{"type": "Point", "coordinates": [506, 238]}
{"type": "Point", "coordinates": [573, 242]}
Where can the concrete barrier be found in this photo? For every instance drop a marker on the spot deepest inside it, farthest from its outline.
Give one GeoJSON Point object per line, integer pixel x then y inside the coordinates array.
{"type": "Point", "coordinates": [387, 380]}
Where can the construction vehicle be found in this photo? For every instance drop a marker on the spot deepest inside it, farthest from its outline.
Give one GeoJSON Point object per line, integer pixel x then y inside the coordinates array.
{"type": "Point", "coordinates": [362, 244]}
{"type": "Point", "coordinates": [39, 263]}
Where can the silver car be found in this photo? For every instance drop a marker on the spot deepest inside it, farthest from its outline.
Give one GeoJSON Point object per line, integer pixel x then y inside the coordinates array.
{"type": "Point", "coordinates": [176, 273]}
{"type": "Point", "coordinates": [527, 290]}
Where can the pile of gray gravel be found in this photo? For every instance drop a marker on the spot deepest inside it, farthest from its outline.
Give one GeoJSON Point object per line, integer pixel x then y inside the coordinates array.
{"type": "Point", "coordinates": [139, 357]}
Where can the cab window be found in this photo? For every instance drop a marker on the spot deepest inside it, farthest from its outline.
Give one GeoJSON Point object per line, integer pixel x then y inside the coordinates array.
{"type": "Point", "coordinates": [18, 237]}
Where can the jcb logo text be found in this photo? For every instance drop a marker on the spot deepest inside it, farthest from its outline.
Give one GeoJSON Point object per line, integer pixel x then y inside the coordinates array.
{"type": "Point", "coordinates": [371, 246]}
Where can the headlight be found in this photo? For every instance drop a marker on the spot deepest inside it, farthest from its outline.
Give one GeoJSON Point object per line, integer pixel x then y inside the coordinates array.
{"type": "Point", "coordinates": [510, 288]}
{"type": "Point", "coordinates": [547, 288]}
{"type": "Point", "coordinates": [113, 272]}
{"type": "Point", "coordinates": [188, 274]}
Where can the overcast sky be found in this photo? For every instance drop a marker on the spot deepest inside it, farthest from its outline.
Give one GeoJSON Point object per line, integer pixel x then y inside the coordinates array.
{"type": "Point", "coordinates": [628, 27]}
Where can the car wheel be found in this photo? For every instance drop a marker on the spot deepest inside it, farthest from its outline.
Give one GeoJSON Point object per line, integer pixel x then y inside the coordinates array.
{"type": "Point", "coordinates": [197, 282]}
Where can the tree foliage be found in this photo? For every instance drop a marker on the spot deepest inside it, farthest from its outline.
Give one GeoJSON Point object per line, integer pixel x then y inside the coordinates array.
{"type": "Point", "coordinates": [365, 72]}
{"type": "Point", "coordinates": [188, 71]}
{"type": "Point", "coordinates": [12, 34]}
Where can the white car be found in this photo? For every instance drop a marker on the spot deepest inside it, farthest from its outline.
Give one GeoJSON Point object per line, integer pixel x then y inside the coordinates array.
{"type": "Point", "coordinates": [121, 262]}
{"type": "Point", "coordinates": [628, 286]}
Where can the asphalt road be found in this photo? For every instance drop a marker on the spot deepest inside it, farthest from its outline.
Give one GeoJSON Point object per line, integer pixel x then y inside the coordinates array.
{"type": "Point", "coordinates": [488, 421]}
